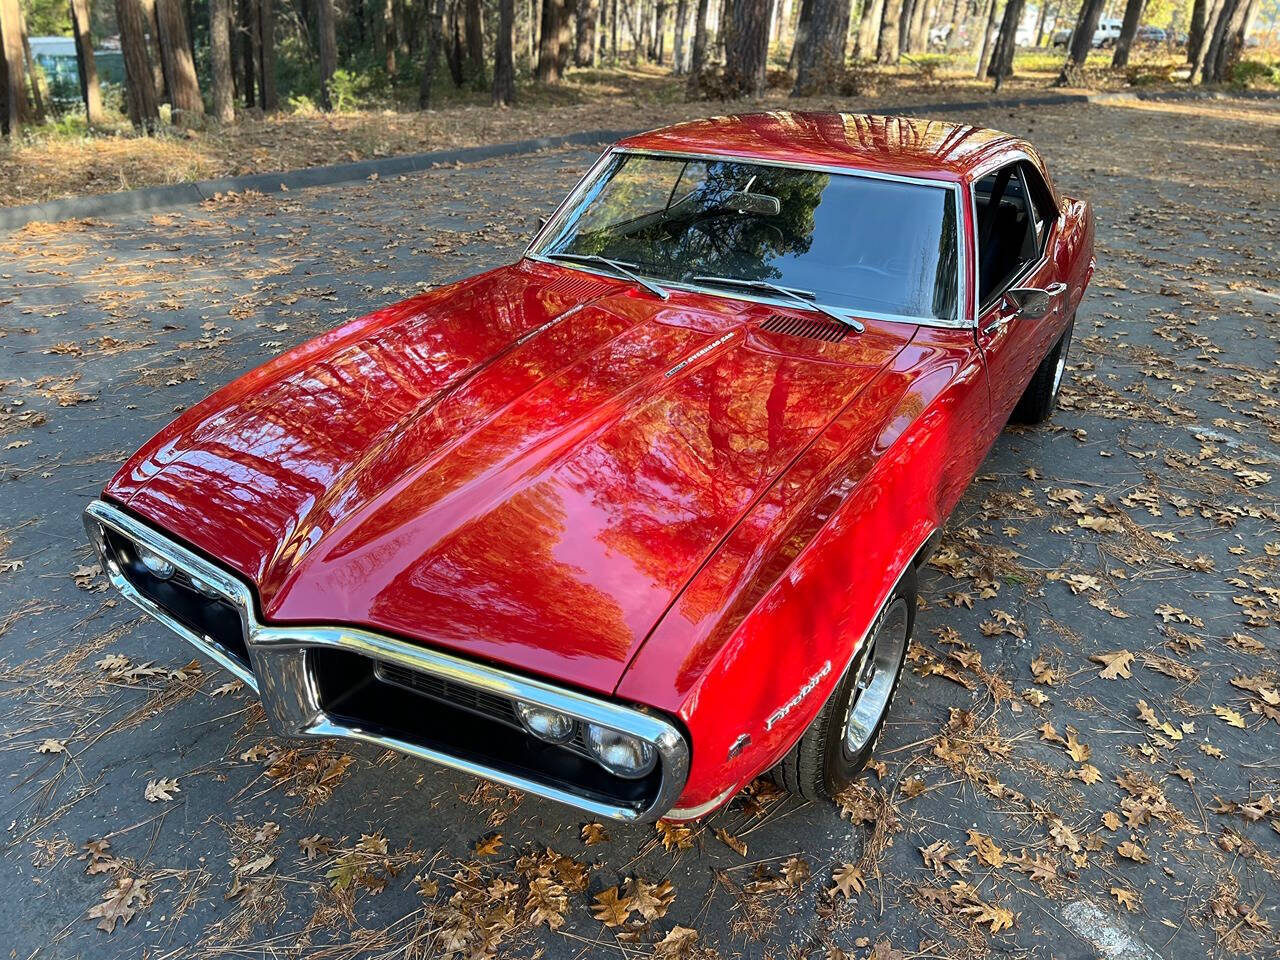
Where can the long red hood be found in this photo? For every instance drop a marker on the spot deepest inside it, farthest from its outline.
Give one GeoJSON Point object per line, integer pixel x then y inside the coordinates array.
{"type": "Point", "coordinates": [526, 467]}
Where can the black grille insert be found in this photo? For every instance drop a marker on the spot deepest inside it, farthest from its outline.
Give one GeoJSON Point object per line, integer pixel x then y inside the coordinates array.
{"type": "Point", "coordinates": [458, 694]}
{"type": "Point", "coordinates": [359, 692]}
{"type": "Point", "coordinates": [828, 331]}
{"type": "Point", "coordinates": [216, 620]}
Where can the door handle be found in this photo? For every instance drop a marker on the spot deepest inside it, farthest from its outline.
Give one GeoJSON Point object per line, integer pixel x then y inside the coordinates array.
{"type": "Point", "coordinates": [997, 324]}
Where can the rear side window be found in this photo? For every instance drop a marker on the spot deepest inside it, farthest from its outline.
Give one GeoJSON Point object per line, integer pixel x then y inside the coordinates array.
{"type": "Point", "coordinates": [1014, 217]}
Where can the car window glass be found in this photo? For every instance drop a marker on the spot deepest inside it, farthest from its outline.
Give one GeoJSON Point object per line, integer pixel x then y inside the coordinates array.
{"type": "Point", "coordinates": [1006, 230]}
{"type": "Point", "coordinates": [1042, 211]}
{"type": "Point", "coordinates": [860, 243]}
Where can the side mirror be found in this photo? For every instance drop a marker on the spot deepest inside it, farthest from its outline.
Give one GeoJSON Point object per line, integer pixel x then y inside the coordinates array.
{"type": "Point", "coordinates": [542, 222]}
{"type": "Point", "coordinates": [1030, 302]}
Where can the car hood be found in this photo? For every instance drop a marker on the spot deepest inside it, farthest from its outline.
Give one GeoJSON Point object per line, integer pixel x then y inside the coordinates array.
{"type": "Point", "coordinates": [526, 467]}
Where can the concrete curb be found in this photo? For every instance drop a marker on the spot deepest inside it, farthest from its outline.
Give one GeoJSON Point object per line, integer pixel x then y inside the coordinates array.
{"type": "Point", "coordinates": [158, 198]}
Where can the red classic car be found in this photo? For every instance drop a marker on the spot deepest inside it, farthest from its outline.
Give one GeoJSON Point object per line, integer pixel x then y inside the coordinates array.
{"type": "Point", "coordinates": [638, 517]}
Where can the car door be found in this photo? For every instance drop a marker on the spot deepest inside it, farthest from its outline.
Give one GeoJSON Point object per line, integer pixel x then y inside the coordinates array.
{"type": "Point", "coordinates": [1015, 225]}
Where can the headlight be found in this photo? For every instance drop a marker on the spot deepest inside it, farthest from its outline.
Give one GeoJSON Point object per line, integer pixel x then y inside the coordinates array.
{"type": "Point", "coordinates": [156, 565]}
{"type": "Point", "coordinates": [204, 589]}
{"type": "Point", "coordinates": [545, 723]}
{"type": "Point", "coordinates": [620, 753]}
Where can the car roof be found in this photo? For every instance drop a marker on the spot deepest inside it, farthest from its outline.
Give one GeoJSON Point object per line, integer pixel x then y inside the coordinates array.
{"type": "Point", "coordinates": [907, 146]}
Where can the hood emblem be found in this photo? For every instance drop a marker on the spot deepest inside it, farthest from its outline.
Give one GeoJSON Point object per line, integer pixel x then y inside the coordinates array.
{"type": "Point", "coordinates": [700, 353]}
{"type": "Point", "coordinates": [525, 337]}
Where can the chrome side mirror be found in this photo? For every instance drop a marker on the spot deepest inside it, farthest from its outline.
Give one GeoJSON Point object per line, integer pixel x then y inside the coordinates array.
{"type": "Point", "coordinates": [1030, 302]}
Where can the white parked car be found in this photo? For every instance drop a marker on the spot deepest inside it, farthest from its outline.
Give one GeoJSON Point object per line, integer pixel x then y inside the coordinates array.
{"type": "Point", "coordinates": [1107, 33]}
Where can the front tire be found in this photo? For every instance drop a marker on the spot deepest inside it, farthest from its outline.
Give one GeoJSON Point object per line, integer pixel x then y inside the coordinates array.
{"type": "Point", "coordinates": [842, 737]}
{"type": "Point", "coordinates": [1041, 396]}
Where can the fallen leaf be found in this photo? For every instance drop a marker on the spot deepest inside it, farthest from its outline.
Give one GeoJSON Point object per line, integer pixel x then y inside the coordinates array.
{"type": "Point", "coordinates": [162, 789]}
{"type": "Point", "coordinates": [1115, 664]}
{"type": "Point", "coordinates": [121, 905]}
{"type": "Point", "coordinates": [986, 850]}
{"type": "Point", "coordinates": [611, 909]}
{"type": "Point", "coordinates": [848, 880]}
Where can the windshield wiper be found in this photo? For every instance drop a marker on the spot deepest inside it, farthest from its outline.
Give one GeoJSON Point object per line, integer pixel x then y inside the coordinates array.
{"type": "Point", "coordinates": [805, 298]}
{"type": "Point", "coordinates": [626, 269]}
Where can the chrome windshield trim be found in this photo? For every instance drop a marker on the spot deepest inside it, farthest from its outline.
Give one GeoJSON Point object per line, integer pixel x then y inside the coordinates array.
{"type": "Point", "coordinates": [281, 677]}
{"type": "Point", "coordinates": [963, 283]}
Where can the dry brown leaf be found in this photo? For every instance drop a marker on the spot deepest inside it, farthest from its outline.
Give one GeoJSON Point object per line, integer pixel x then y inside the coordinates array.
{"type": "Point", "coordinates": [848, 880]}
{"type": "Point", "coordinates": [121, 905]}
{"type": "Point", "coordinates": [1114, 664]}
{"type": "Point", "coordinates": [733, 843]}
{"type": "Point", "coordinates": [985, 849]}
{"type": "Point", "coordinates": [162, 789]}
{"type": "Point", "coordinates": [611, 909]}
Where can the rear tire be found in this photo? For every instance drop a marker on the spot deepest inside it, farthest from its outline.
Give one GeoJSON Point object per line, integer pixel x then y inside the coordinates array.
{"type": "Point", "coordinates": [843, 736]}
{"type": "Point", "coordinates": [1041, 396]}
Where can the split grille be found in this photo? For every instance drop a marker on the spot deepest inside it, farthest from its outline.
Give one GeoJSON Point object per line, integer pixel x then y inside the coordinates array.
{"type": "Point", "coordinates": [825, 330]}
{"type": "Point", "coordinates": [438, 688]}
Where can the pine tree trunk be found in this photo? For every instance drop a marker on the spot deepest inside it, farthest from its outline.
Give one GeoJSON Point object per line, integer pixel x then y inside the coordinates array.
{"type": "Point", "coordinates": [1195, 32]}
{"type": "Point", "coordinates": [746, 48]}
{"type": "Point", "coordinates": [868, 30]}
{"type": "Point", "coordinates": [473, 25]}
{"type": "Point", "coordinates": [13, 84]}
{"type": "Point", "coordinates": [328, 50]}
{"type": "Point", "coordinates": [266, 57]}
{"type": "Point", "coordinates": [802, 34]}
{"type": "Point", "coordinates": [887, 49]}
{"type": "Point", "coordinates": [90, 92]}
{"type": "Point", "coordinates": [33, 74]}
{"type": "Point", "coordinates": [659, 35]}
{"type": "Point", "coordinates": [504, 67]}
{"type": "Point", "coordinates": [1081, 42]}
{"type": "Point", "coordinates": [984, 49]}
{"type": "Point", "coordinates": [224, 110]}
{"type": "Point", "coordinates": [568, 15]}
{"type": "Point", "coordinates": [698, 55]}
{"type": "Point", "coordinates": [820, 56]}
{"type": "Point", "coordinates": [915, 25]}
{"type": "Point", "coordinates": [1006, 43]}
{"type": "Point", "coordinates": [179, 65]}
{"type": "Point", "coordinates": [679, 54]}
{"type": "Point", "coordinates": [154, 57]}
{"type": "Point", "coordinates": [549, 42]}
{"type": "Point", "coordinates": [247, 28]}
{"type": "Point", "coordinates": [1228, 41]}
{"type": "Point", "coordinates": [1128, 30]}
{"type": "Point", "coordinates": [588, 15]}
{"type": "Point", "coordinates": [139, 82]}
{"type": "Point", "coordinates": [431, 55]}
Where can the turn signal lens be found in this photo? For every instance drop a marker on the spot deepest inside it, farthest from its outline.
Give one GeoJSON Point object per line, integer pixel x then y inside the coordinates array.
{"type": "Point", "coordinates": [620, 753]}
{"type": "Point", "coordinates": [545, 723]}
{"type": "Point", "coordinates": [156, 565]}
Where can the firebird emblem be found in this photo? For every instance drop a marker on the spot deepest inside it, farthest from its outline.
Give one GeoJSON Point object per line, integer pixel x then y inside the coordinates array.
{"type": "Point", "coordinates": [803, 692]}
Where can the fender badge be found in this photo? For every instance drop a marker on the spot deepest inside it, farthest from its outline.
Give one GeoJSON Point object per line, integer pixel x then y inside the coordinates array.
{"type": "Point", "coordinates": [794, 702]}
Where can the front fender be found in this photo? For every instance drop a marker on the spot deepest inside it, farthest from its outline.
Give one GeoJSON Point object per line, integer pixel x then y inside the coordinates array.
{"type": "Point", "coordinates": [757, 641]}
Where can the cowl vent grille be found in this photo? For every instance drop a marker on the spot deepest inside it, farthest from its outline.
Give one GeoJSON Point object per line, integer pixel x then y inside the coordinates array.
{"type": "Point", "coordinates": [825, 330]}
{"type": "Point", "coordinates": [578, 287]}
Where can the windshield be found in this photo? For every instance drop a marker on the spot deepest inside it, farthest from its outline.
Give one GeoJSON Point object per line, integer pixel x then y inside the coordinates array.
{"type": "Point", "coordinates": [858, 243]}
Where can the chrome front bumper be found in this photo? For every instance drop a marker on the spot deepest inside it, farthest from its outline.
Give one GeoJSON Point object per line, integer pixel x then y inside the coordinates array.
{"type": "Point", "coordinates": [280, 671]}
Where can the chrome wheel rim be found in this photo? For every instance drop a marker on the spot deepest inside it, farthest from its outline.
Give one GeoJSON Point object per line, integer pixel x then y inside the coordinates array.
{"type": "Point", "coordinates": [876, 672]}
{"type": "Point", "coordinates": [1059, 368]}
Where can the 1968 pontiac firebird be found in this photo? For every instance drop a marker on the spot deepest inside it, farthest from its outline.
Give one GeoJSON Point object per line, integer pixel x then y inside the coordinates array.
{"type": "Point", "coordinates": [634, 519]}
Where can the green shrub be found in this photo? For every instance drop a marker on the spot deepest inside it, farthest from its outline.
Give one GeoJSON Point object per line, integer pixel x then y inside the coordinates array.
{"type": "Point", "coordinates": [1254, 73]}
